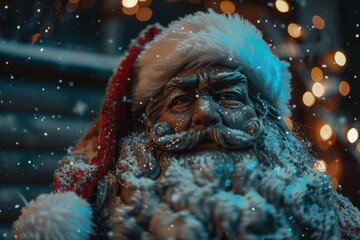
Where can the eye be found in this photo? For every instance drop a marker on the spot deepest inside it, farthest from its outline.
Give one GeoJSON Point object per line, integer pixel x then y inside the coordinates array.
{"type": "Point", "coordinates": [228, 96]}
{"type": "Point", "coordinates": [181, 102]}
{"type": "Point", "coordinates": [230, 99]}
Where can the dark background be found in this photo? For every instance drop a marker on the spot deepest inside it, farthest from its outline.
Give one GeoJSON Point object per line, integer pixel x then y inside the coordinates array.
{"type": "Point", "coordinates": [56, 58]}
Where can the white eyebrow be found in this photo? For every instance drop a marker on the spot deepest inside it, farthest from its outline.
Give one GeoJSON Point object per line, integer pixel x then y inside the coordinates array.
{"type": "Point", "coordinates": [182, 81]}
{"type": "Point", "coordinates": [227, 77]}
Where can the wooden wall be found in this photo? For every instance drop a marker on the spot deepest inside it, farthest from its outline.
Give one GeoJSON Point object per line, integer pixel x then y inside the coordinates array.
{"type": "Point", "coordinates": [48, 98]}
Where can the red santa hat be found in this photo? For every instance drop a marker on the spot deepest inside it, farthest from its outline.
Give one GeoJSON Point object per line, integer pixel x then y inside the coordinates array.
{"type": "Point", "coordinates": [99, 147]}
{"type": "Point", "coordinates": [152, 59]}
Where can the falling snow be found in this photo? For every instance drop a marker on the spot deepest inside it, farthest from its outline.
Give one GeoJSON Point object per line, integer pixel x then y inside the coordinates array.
{"type": "Point", "coordinates": [47, 101]}
{"type": "Point", "coordinates": [80, 107]}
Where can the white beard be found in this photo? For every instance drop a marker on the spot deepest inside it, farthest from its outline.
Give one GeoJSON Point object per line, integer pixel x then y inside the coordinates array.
{"type": "Point", "coordinates": [221, 195]}
{"type": "Point", "coordinates": [215, 167]}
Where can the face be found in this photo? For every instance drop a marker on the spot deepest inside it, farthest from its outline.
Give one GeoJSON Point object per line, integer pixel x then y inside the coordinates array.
{"type": "Point", "coordinates": [202, 97]}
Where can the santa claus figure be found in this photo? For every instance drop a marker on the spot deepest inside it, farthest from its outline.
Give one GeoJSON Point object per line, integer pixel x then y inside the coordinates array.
{"type": "Point", "coordinates": [190, 144]}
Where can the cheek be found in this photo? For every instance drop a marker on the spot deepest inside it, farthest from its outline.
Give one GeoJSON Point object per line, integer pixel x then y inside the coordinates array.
{"type": "Point", "coordinates": [177, 121]}
{"type": "Point", "coordinates": [238, 118]}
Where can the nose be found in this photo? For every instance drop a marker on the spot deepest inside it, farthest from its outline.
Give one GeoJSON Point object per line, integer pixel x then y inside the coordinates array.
{"type": "Point", "coordinates": [205, 113]}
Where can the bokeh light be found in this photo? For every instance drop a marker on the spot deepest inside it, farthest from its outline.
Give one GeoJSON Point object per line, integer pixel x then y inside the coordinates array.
{"type": "Point", "coordinates": [344, 88]}
{"type": "Point", "coordinates": [318, 89]}
{"type": "Point", "coordinates": [72, 7]}
{"type": "Point", "coordinates": [340, 58]}
{"type": "Point", "coordinates": [325, 132]}
{"type": "Point", "coordinates": [131, 11]}
{"type": "Point", "coordinates": [289, 123]}
{"type": "Point", "coordinates": [87, 3]}
{"type": "Point", "coordinates": [358, 147]}
{"type": "Point", "coordinates": [282, 6]}
{"type": "Point", "coordinates": [57, 6]}
{"type": "Point", "coordinates": [227, 7]}
{"type": "Point", "coordinates": [144, 14]}
{"type": "Point", "coordinates": [335, 182]}
{"type": "Point", "coordinates": [317, 74]}
{"type": "Point", "coordinates": [35, 37]}
{"type": "Point", "coordinates": [352, 135]}
{"type": "Point", "coordinates": [294, 30]}
{"type": "Point", "coordinates": [320, 165]}
{"type": "Point", "coordinates": [318, 22]}
{"type": "Point", "coordinates": [129, 3]}
{"type": "Point", "coordinates": [308, 99]}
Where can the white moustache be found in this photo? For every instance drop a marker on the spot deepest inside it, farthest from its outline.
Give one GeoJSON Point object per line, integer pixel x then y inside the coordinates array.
{"type": "Point", "coordinates": [227, 138]}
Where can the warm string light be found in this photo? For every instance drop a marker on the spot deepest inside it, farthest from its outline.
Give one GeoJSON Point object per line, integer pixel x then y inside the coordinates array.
{"type": "Point", "coordinates": [129, 3]}
{"type": "Point", "coordinates": [282, 6]}
{"type": "Point", "coordinates": [317, 74]}
{"type": "Point", "coordinates": [227, 7]}
{"type": "Point", "coordinates": [294, 30]}
{"type": "Point", "coordinates": [344, 88]}
{"type": "Point", "coordinates": [352, 135]}
{"type": "Point", "coordinates": [318, 89]}
{"type": "Point", "coordinates": [340, 58]}
{"type": "Point", "coordinates": [318, 22]}
{"type": "Point", "coordinates": [358, 147]}
{"type": "Point", "coordinates": [323, 84]}
{"type": "Point", "coordinates": [140, 8]}
{"type": "Point", "coordinates": [71, 6]}
{"type": "Point", "coordinates": [144, 14]}
{"type": "Point", "coordinates": [288, 122]}
{"type": "Point", "coordinates": [325, 132]}
{"type": "Point", "coordinates": [308, 99]}
{"type": "Point", "coordinates": [131, 11]}
{"type": "Point", "coordinates": [320, 165]}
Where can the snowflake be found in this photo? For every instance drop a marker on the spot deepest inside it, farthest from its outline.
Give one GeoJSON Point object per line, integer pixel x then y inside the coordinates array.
{"type": "Point", "coordinates": [80, 107]}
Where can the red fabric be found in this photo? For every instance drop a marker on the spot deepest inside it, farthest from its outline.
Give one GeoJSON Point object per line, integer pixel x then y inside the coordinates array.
{"type": "Point", "coordinates": [113, 124]}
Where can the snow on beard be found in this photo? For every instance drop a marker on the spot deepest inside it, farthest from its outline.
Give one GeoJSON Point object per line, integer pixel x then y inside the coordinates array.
{"type": "Point", "coordinates": [232, 146]}
{"type": "Point", "coordinates": [263, 189]}
{"type": "Point", "coordinates": [268, 196]}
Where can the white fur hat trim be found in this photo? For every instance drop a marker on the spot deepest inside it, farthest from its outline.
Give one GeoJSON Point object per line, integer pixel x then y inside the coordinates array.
{"type": "Point", "coordinates": [211, 38]}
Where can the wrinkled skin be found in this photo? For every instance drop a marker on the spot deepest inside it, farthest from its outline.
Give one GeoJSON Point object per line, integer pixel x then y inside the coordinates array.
{"type": "Point", "coordinates": [199, 98]}
{"type": "Point", "coordinates": [204, 109]}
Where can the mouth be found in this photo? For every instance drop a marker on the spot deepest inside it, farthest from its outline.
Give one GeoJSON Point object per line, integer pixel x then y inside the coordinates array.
{"type": "Point", "coordinates": [206, 144]}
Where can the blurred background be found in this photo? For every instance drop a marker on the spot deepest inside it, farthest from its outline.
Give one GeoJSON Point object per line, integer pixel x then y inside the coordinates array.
{"type": "Point", "coordinates": [56, 58]}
